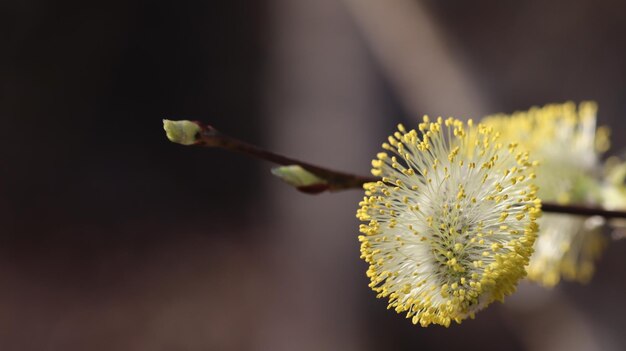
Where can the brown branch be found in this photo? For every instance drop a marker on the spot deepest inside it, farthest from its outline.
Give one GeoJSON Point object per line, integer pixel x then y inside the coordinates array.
{"type": "Point", "coordinates": [336, 180]}
{"type": "Point", "coordinates": [211, 137]}
{"type": "Point", "coordinates": [581, 210]}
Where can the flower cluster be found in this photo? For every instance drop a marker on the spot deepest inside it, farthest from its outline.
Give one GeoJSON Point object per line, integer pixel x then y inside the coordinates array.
{"type": "Point", "coordinates": [451, 224]}
{"type": "Point", "coordinates": [565, 141]}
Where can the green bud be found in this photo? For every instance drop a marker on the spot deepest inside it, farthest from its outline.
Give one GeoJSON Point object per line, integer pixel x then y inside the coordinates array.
{"type": "Point", "coordinates": [299, 177]}
{"type": "Point", "coordinates": [181, 132]}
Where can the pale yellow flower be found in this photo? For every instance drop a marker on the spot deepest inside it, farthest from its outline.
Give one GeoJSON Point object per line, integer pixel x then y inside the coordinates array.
{"type": "Point", "coordinates": [451, 224]}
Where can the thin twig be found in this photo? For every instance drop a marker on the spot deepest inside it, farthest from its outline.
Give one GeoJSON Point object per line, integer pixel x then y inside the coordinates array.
{"type": "Point", "coordinates": [581, 210]}
{"type": "Point", "coordinates": [211, 137]}
{"type": "Point", "coordinates": [336, 180]}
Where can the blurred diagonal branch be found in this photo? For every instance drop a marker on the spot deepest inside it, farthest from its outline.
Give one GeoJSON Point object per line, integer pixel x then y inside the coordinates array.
{"type": "Point", "coordinates": [417, 57]}
{"type": "Point", "coordinates": [205, 135]}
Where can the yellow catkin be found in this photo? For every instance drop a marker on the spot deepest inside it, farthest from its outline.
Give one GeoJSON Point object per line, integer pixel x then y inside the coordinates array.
{"type": "Point", "coordinates": [462, 229]}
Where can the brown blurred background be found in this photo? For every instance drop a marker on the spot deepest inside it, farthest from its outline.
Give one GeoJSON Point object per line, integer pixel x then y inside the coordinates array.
{"type": "Point", "coordinates": [114, 239]}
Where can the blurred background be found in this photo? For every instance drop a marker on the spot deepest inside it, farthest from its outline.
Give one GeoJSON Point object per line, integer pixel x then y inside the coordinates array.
{"type": "Point", "coordinates": [112, 238]}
